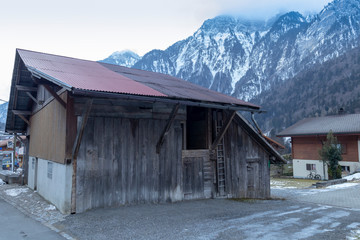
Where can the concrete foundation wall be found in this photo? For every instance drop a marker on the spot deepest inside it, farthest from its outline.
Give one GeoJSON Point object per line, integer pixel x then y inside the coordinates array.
{"type": "Point", "coordinates": [53, 182]}
{"type": "Point", "coordinates": [32, 173]}
{"type": "Point", "coordinates": [299, 168]}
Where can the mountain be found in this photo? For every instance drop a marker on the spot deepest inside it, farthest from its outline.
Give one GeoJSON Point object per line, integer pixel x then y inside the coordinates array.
{"type": "Point", "coordinates": [124, 58]}
{"type": "Point", "coordinates": [321, 90]}
{"type": "Point", "coordinates": [243, 57]}
{"type": "Point", "coordinates": [294, 66]}
{"type": "Point", "coordinates": [3, 114]}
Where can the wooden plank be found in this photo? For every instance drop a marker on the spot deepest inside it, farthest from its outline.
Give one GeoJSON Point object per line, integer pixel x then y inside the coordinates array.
{"type": "Point", "coordinates": [48, 132]}
{"type": "Point", "coordinates": [25, 88]}
{"type": "Point", "coordinates": [195, 153]}
{"type": "Point", "coordinates": [33, 98]}
{"type": "Point", "coordinates": [166, 129]}
{"type": "Point", "coordinates": [19, 112]}
{"type": "Point", "coordinates": [223, 130]}
{"type": "Point", "coordinates": [23, 118]}
{"type": "Point", "coordinates": [80, 131]}
{"type": "Point", "coordinates": [75, 152]}
{"type": "Point", "coordinates": [55, 95]}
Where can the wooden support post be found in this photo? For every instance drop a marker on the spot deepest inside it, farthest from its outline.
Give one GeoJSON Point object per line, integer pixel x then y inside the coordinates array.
{"type": "Point", "coordinates": [21, 114]}
{"type": "Point", "coordinates": [14, 153]}
{"type": "Point", "coordinates": [75, 151]}
{"type": "Point", "coordinates": [24, 119]}
{"type": "Point", "coordinates": [33, 98]}
{"type": "Point", "coordinates": [54, 94]}
{"type": "Point", "coordinates": [167, 127]}
{"type": "Point", "coordinates": [223, 130]}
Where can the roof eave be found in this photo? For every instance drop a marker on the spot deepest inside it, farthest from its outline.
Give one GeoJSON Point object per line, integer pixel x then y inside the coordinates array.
{"type": "Point", "coordinates": [188, 102]}
{"type": "Point", "coordinates": [316, 134]}
{"type": "Point", "coordinates": [38, 74]}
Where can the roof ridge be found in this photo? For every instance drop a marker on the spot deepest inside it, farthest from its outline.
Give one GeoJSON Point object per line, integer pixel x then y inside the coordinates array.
{"type": "Point", "coordinates": [56, 55]}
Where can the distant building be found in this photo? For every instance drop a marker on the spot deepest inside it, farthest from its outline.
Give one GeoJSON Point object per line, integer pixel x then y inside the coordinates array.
{"type": "Point", "coordinates": [102, 135]}
{"type": "Point", "coordinates": [308, 136]}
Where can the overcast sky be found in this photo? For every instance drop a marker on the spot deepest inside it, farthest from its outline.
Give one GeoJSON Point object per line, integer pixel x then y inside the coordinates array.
{"type": "Point", "coordinates": [93, 29]}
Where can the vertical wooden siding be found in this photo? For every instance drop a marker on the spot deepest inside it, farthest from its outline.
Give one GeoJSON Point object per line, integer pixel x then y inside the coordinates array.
{"type": "Point", "coordinates": [118, 164]}
{"type": "Point", "coordinates": [247, 171]}
{"type": "Point", "coordinates": [48, 132]}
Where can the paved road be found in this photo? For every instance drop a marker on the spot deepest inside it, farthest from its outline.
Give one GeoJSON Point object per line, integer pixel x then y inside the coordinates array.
{"type": "Point", "coordinates": [16, 225]}
{"type": "Point", "coordinates": [215, 219]}
{"type": "Point", "coordinates": [347, 196]}
{"type": "Point", "coordinates": [305, 214]}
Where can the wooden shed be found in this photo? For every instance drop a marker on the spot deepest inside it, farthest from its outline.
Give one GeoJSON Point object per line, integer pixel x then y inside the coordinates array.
{"type": "Point", "coordinates": [102, 135]}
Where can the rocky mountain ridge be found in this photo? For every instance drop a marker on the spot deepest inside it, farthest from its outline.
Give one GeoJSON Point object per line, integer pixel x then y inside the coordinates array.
{"type": "Point", "coordinates": [243, 57]}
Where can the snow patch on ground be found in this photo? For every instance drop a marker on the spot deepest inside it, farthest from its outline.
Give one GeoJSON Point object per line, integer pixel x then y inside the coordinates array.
{"type": "Point", "coordinates": [355, 235]}
{"type": "Point", "coordinates": [50, 208]}
{"type": "Point", "coordinates": [343, 185]}
{"type": "Point", "coordinates": [15, 192]}
{"type": "Point", "coordinates": [1, 182]}
{"type": "Point", "coordinates": [352, 177]}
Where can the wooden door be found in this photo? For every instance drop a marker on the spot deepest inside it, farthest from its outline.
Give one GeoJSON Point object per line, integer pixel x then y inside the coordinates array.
{"type": "Point", "coordinates": [253, 179]}
{"type": "Point", "coordinates": [193, 173]}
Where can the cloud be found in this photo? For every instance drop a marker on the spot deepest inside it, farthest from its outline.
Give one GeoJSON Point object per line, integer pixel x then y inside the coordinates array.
{"type": "Point", "coordinates": [267, 9]}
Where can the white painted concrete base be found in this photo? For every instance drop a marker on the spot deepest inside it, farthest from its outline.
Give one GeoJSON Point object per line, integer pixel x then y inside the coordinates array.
{"type": "Point", "coordinates": [53, 181]}
{"type": "Point", "coordinates": [299, 167]}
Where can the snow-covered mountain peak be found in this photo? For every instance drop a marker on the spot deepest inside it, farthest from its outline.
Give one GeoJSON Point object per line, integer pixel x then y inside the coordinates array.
{"type": "Point", "coordinates": [244, 57]}
{"type": "Point", "coordinates": [125, 58]}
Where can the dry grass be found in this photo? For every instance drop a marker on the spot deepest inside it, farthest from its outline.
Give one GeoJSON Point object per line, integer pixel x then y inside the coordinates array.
{"type": "Point", "coordinates": [291, 183]}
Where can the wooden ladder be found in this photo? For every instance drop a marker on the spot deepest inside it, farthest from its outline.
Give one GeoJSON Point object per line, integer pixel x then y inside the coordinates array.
{"type": "Point", "coordinates": [220, 162]}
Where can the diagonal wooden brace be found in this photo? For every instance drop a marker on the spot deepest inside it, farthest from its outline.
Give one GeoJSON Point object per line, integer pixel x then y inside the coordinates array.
{"type": "Point", "coordinates": [167, 127]}
{"type": "Point", "coordinates": [223, 130]}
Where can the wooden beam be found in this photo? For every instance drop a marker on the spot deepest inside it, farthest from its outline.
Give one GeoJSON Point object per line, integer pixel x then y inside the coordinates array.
{"type": "Point", "coordinates": [19, 112]}
{"type": "Point", "coordinates": [54, 94]}
{"type": "Point", "coordinates": [23, 118]}
{"type": "Point", "coordinates": [167, 127]}
{"type": "Point", "coordinates": [75, 151]}
{"type": "Point", "coordinates": [33, 98]}
{"type": "Point", "coordinates": [223, 130]}
{"type": "Point", "coordinates": [25, 88]}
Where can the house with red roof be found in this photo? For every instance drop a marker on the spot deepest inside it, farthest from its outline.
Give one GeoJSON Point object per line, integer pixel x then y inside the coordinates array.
{"type": "Point", "coordinates": [101, 135]}
{"type": "Point", "coordinates": [309, 135]}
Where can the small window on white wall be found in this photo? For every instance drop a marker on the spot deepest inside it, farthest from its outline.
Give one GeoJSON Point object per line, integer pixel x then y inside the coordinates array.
{"type": "Point", "coordinates": [310, 167]}
{"type": "Point", "coordinates": [50, 170]}
{"type": "Point", "coordinates": [33, 163]}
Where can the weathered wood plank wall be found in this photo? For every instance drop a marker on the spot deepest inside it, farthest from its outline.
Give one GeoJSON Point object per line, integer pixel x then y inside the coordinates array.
{"type": "Point", "coordinates": [118, 164]}
{"type": "Point", "coordinates": [247, 171]}
{"type": "Point", "coordinates": [48, 132]}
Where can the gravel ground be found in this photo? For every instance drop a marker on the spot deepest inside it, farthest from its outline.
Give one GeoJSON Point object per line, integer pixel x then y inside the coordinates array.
{"type": "Point", "coordinates": [215, 219]}
{"type": "Point", "coordinates": [305, 214]}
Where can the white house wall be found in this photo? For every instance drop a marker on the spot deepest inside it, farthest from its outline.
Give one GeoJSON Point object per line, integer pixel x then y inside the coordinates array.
{"type": "Point", "coordinates": [299, 168]}
{"type": "Point", "coordinates": [53, 182]}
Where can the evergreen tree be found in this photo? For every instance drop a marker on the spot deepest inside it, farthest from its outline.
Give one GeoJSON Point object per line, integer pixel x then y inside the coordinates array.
{"type": "Point", "coordinates": [331, 155]}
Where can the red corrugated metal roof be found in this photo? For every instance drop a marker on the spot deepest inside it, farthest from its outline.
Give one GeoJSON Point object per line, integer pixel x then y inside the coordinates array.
{"type": "Point", "coordinates": [94, 76]}
{"type": "Point", "coordinates": [82, 74]}
{"type": "Point", "coordinates": [175, 87]}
